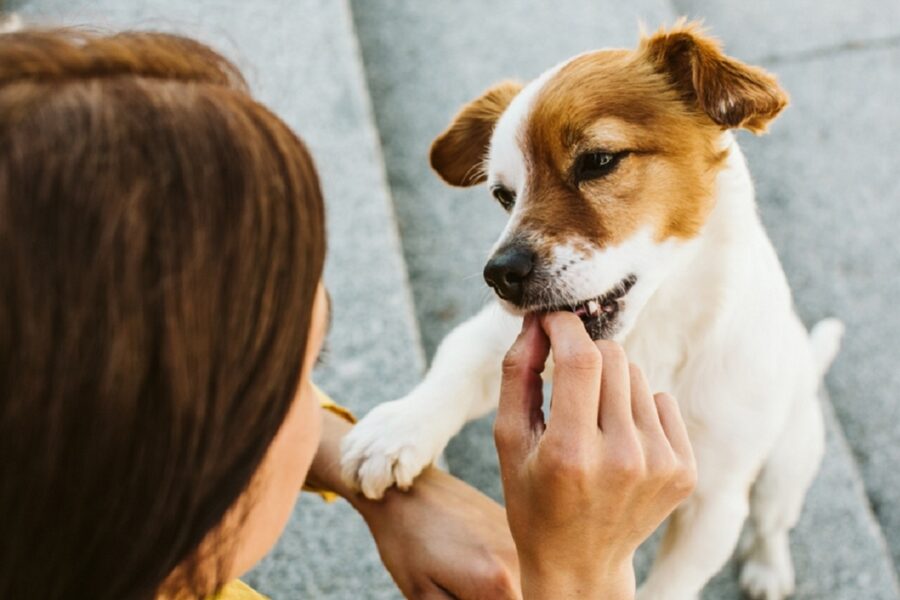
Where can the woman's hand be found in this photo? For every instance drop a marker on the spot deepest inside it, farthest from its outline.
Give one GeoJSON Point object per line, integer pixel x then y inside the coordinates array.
{"type": "Point", "coordinates": [442, 539]}
{"type": "Point", "coordinates": [585, 489]}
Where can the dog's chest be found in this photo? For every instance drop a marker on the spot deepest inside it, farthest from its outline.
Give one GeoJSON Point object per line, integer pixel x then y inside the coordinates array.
{"type": "Point", "coordinates": [670, 328]}
{"type": "Point", "coordinates": [660, 356]}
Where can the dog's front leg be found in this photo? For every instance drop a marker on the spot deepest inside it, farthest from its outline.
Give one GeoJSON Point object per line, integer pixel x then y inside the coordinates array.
{"type": "Point", "coordinates": [398, 439]}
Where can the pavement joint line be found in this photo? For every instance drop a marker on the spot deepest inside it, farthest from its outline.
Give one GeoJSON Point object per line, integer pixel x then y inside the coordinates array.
{"type": "Point", "coordinates": [830, 51]}
{"type": "Point", "coordinates": [860, 482]}
{"type": "Point", "coordinates": [362, 73]}
{"type": "Point", "coordinates": [871, 511]}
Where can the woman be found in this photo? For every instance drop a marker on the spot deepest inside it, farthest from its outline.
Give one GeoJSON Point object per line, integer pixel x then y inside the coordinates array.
{"type": "Point", "coordinates": [161, 249]}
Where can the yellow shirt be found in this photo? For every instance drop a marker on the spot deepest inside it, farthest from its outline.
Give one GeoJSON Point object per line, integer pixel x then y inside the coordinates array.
{"type": "Point", "coordinates": [238, 590]}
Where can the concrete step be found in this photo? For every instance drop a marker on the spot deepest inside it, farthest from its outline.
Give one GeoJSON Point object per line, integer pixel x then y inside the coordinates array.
{"type": "Point", "coordinates": [302, 60]}
{"type": "Point", "coordinates": [827, 186]}
{"type": "Point", "coordinates": [423, 63]}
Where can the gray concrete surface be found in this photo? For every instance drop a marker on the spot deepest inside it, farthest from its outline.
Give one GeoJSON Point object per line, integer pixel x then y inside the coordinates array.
{"type": "Point", "coordinates": [302, 60]}
{"type": "Point", "coordinates": [764, 29]}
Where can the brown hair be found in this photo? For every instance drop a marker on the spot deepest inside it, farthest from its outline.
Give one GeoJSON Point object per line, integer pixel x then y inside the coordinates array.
{"type": "Point", "coordinates": [161, 240]}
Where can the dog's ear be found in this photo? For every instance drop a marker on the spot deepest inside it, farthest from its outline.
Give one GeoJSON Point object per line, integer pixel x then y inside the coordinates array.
{"type": "Point", "coordinates": [458, 153]}
{"type": "Point", "coordinates": [732, 93]}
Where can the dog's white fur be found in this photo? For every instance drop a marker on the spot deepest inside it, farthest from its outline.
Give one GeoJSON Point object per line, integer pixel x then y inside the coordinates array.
{"type": "Point", "coordinates": [709, 320]}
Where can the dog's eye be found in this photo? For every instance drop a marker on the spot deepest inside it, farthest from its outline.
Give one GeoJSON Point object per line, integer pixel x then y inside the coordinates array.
{"type": "Point", "coordinates": [505, 196]}
{"type": "Point", "coordinates": [594, 165]}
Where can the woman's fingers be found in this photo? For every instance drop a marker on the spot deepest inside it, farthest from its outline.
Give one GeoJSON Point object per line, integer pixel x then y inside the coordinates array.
{"type": "Point", "coordinates": [673, 426]}
{"type": "Point", "coordinates": [519, 414]}
{"type": "Point", "coordinates": [577, 369]}
{"type": "Point", "coordinates": [594, 468]}
{"type": "Point", "coordinates": [594, 386]}
{"type": "Point", "coordinates": [643, 407]}
{"type": "Point", "coordinates": [615, 404]}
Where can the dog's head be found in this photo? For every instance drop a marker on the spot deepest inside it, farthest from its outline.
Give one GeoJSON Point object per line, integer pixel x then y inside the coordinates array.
{"type": "Point", "coordinates": [607, 166]}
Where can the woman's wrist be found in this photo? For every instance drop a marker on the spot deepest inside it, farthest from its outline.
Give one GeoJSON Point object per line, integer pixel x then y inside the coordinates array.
{"type": "Point", "coordinates": [325, 472]}
{"type": "Point", "coordinates": [546, 580]}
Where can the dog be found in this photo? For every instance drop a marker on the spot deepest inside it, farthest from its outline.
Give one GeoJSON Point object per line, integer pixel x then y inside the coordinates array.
{"type": "Point", "coordinates": [631, 204]}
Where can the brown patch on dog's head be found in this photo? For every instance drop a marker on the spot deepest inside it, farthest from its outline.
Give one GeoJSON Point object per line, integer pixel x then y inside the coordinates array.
{"type": "Point", "coordinates": [667, 155]}
{"type": "Point", "coordinates": [457, 154]}
{"type": "Point", "coordinates": [660, 110]}
{"type": "Point", "coordinates": [730, 92]}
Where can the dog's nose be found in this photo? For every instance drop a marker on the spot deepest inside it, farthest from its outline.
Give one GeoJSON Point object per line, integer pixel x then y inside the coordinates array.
{"type": "Point", "coordinates": [508, 270]}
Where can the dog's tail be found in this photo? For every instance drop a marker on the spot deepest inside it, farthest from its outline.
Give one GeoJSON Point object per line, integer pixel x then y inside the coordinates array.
{"type": "Point", "coordinates": [825, 339]}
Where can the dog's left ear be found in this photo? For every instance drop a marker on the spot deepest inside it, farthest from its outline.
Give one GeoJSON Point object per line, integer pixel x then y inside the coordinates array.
{"type": "Point", "coordinates": [458, 153]}
{"type": "Point", "coordinates": [732, 93]}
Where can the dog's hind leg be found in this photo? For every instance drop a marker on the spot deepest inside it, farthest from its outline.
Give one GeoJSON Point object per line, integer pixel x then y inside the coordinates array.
{"type": "Point", "coordinates": [777, 497]}
{"type": "Point", "coordinates": [699, 538]}
{"type": "Point", "coordinates": [776, 502]}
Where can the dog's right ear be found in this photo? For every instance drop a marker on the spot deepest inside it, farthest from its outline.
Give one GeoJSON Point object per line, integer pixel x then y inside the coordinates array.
{"type": "Point", "coordinates": [730, 92]}
{"type": "Point", "coordinates": [458, 153]}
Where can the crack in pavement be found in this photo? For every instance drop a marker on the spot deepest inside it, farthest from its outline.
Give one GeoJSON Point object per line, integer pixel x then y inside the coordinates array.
{"type": "Point", "coordinates": [829, 51]}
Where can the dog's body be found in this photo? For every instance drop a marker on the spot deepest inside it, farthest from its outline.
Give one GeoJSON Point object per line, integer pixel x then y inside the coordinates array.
{"type": "Point", "coordinates": [699, 299]}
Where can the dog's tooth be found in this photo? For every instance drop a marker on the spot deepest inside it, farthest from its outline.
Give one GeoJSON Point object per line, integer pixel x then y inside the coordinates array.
{"type": "Point", "coordinates": [592, 307]}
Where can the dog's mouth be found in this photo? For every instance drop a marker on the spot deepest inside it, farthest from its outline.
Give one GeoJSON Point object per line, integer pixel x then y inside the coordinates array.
{"type": "Point", "coordinates": [600, 314]}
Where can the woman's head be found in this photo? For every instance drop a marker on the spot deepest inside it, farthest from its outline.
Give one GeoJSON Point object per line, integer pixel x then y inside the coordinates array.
{"type": "Point", "coordinates": [161, 245]}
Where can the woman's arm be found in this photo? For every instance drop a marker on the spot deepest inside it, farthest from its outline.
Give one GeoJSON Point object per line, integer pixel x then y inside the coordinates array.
{"type": "Point", "coordinates": [325, 471]}
{"type": "Point", "coordinates": [442, 539]}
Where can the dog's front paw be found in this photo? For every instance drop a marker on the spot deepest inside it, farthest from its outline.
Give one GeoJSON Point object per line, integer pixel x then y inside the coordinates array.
{"type": "Point", "coordinates": [391, 445]}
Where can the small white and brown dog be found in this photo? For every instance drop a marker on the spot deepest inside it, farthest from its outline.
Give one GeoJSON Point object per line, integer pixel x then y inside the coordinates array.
{"type": "Point", "coordinates": [631, 204]}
